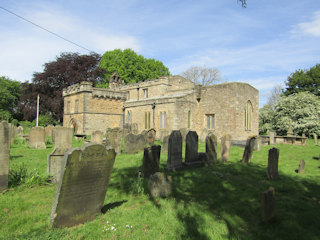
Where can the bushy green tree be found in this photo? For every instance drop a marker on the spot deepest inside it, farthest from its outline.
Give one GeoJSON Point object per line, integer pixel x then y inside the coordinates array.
{"type": "Point", "coordinates": [304, 80]}
{"type": "Point", "coordinates": [266, 116]}
{"type": "Point", "coordinates": [44, 120]}
{"type": "Point", "coordinates": [303, 109]}
{"type": "Point", "coordinates": [130, 66]}
{"type": "Point", "coordinates": [10, 92]}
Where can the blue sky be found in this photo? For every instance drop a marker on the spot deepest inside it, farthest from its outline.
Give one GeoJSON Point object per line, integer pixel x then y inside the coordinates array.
{"type": "Point", "coordinates": [261, 44]}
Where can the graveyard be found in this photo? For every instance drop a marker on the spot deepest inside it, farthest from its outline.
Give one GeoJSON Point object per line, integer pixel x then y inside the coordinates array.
{"type": "Point", "coordinates": [219, 200]}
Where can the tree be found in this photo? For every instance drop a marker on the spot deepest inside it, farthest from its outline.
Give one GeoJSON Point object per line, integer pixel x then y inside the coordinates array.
{"type": "Point", "coordinates": [67, 69]}
{"type": "Point", "coordinates": [130, 66]}
{"type": "Point", "coordinates": [202, 75]}
{"type": "Point", "coordinates": [304, 80]}
{"type": "Point", "coordinates": [303, 109]}
{"type": "Point", "coordinates": [275, 96]}
{"type": "Point", "coordinates": [10, 92]}
{"type": "Point", "coordinates": [266, 117]}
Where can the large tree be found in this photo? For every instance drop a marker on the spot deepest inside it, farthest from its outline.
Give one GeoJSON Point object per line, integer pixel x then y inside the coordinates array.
{"type": "Point", "coordinates": [67, 69]}
{"type": "Point", "coordinates": [130, 66]}
{"type": "Point", "coordinates": [202, 75]}
{"type": "Point", "coordinates": [304, 80]}
{"type": "Point", "coordinates": [10, 92]}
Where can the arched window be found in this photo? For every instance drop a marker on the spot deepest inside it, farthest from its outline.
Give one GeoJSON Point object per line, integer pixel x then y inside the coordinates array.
{"type": "Point", "coordinates": [248, 116]}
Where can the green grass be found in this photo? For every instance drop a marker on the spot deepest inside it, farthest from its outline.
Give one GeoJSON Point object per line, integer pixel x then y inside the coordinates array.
{"type": "Point", "coordinates": [217, 202]}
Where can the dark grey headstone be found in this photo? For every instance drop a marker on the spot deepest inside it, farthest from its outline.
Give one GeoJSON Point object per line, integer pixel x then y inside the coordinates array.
{"type": "Point", "coordinates": [134, 143]}
{"type": "Point", "coordinates": [211, 148]}
{"type": "Point", "coordinates": [268, 205]}
{"type": "Point", "coordinates": [4, 154]}
{"type": "Point", "coordinates": [248, 150]}
{"type": "Point", "coordinates": [191, 154]}
{"type": "Point", "coordinates": [83, 185]}
{"type": "Point", "coordinates": [301, 166]}
{"type": "Point", "coordinates": [151, 160]}
{"type": "Point", "coordinates": [174, 150]}
{"type": "Point", "coordinates": [273, 159]}
{"type": "Point", "coordinates": [160, 185]}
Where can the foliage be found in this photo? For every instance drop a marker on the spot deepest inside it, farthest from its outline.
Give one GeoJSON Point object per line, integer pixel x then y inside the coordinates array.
{"type": "Point", "coordinates": [202, 75]}
{"type": "Point", "coordinates": [303, 109]}
{"type": "Point", "coordinates": [266, 116]}
{"type": "Point", "coordinates": [304, 80]}
{"type": "Point", "coordinates": [130, 66]}
{"type": "Point", "coordinates": [66, 70]}
{"type": "Point", "coordinates": [10, 92]}
{"type": "Point", "coordinates": [44, 120]}
{"type": "Point", "coordinates": [25, 124]}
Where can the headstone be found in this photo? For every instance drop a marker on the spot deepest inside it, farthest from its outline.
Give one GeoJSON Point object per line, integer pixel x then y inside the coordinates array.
{"type": "Point", "coordinates": [290, 131]}
{"type": "Point", "coordinates": [163, 133]}
{"type": "Point", "coordinates": [273, 159]}
{"type": "Point", "coordinates": [174, 151]}
{"type": "Point", "coordinates": [63, 142]}
{"type": "Point", "coordinates": [248, 150]}
{"type": "Point", "coordinates": [82, 185]}
{"type": "Point", "coordinates": [37, 138]}
{"type": "Point", "coordinates": [165, 144]}
{"type": "Point", "coordinates": [271, 138]}
{"type": "Point", "coordinates": [315, 137]}
{"type": "Point", "coordinates": [12, 133]}
{"type": "Point", "coordinates": [53, 137]}
{"type": "Point", "coordinates": [97, 137]}
{"type": "Point", "coordinates": [203, 134]}
{"type": "Point", "coordinates": [257, 143]}
{"type": "Point", "coordinates": [268, 205]}
{"type": "Point", "coordinates": [184, 132]}
{"type": "Point", "coordinates": [151, 136]}
{"type": "Point", "coordinates": [19, 131]}
{"type": "Point", "coordinates": [191, 152]}
{"type": "Point", "coordinates": [225, 147]}
{"type": "Point", "coordinates": [211, 148]}
{"type": "Point", "coordinates": [151, 160]}
{"type": "Point", "coordinates": [48, 129]}
{"type": "Point", "coordinates": [134, 143]}
{"type": "Point", "coordinates": [160, 185]}
{"type": "Point", "coordinates": [114, 139]}
{"type": "Point", "coordinates": [4, 154]}
{"type": "Point", "coordinates": [301, 166]}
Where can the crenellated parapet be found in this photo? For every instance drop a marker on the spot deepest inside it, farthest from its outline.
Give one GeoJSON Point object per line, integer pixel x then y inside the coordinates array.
{"type": "Point", "coordinates": [77, 88]}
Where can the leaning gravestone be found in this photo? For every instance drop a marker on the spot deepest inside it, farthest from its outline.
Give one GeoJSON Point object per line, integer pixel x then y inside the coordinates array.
{"type": "Point", "coordinates": [165, 143]}
{"type": "Point", "coordinates": [82, 185]}
{"type": "Point", "coordinates": [134, 143]}
{"type": "Point", "coordinates": [151, 160]}
{"type": "Point", "coordinates": [4, 154]}
{"type": "Point", "coordinates": [273, 159]}
{"type": "Point", "coordinates": [248, 150]}
{"type": "Point", "coordinates": [191, 153]}
{"type": "Point", "coordinates": [268, 205]}
{"type": "Point", "coordinates": [211, 148]}
{"type": "Point", "coordinates": [37, 138]}
{"type": "Point", "coordinates": [63, 142]}
{"type": "Point", "coordinates": [225, 147]}
{"type": "Point", "coordinates": [151, 136]}
{"type": "Point", "coordinates": [301, 166]}
{"type": "Point", "coordinates": [174, 151]}
{"type": "Point", "coordinates": [97, 137]}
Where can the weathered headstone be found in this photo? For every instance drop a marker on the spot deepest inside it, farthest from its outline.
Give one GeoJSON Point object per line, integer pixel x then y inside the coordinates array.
{"type": "Point", "coordinates": [97, 137]}
{"type": "Point", "coordinates": [4, 154]}
{"type": "Point", "coordinates": [301, 166]}
{"type": "Point", "coordinates": [48, 129]}
{"type": "Point", "coordinates": [151, 160]}
{"type": "Point", "coordinates": [160, 185]}
{"type": "Point", "coordinates": [19, 131]}
{"type": "Point", "coordinates": [248, 150]}
{"type": "Point", "coordinates": [174, 150]}
{"type": "Point", "coordinates": [37, 138]}
{"type": "Point", "coordinates": [211, 148]}
{"type": "Point", "coordinates": [151, 136]}
{"type": "Point", "coordinates": [203, 134]}
{"type": "Point", "coordinates": [268, 205]}
{"type": "Point", "coordinates": [184, 132]}
{"type": "Point", "coordinates": [191, 153]}
{"type": "Point", "coordinates": [165, 144]}
{"type": "Point", "coordinates": [82, 185]}
{"type": "Point", "coordinates": [225, 147]}
{"type": "Point", "coordinates": [63, 142]}
{"type": "Point", "coordinates": [315, 138]}
{"type": "Point", "coordinates": [52, 131]}
{"type": "Point", "coordinates": [257, 144]}
{"type": "Point", "coordinates": [114, 139]}
{"type": "Point", "coordinates": [134, 143]}
{"type": "Point", "coordinates": [12, 133]}
{"type": "Point", "coordinates": [271, 138]}
{"type": "Point", "coordinates": [163, 133]}
{"type": "Point", "coordinates": [273, 160]}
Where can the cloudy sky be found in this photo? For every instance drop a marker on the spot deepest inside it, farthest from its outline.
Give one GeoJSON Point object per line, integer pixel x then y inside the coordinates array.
{"type": "Point", "coordinates": [261, 44]}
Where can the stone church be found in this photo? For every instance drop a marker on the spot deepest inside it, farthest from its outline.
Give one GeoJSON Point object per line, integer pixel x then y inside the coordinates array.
{"type": "Point", "coordinates": [165, 104]}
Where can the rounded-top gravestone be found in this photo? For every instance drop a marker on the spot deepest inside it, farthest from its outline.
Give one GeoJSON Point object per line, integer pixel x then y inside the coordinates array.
{"type": "Point", "coordinates": [37, 138]}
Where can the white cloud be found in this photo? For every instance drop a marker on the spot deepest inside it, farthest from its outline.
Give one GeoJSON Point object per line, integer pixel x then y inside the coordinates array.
{"type": "Point", "coordinates": [311, 28]}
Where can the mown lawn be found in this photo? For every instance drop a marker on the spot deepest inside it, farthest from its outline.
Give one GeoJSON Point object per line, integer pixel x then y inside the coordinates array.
{"type": "Point", "coordinates": [216, 202]}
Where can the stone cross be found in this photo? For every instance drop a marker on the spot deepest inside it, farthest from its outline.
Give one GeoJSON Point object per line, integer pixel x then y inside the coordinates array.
{"type": "Point", "coordinates": [268, 205]}
{"type": "Point", "coordinates": [151, 160]}
{"type": "Point", "coordinates": [248, 150]}
{"type": "Point", "coordinates": [211, 148]}
{"type": "Point", "coordinates": [301, 166]}
{"type": "Point", "coordinates": [191, 152]}
{"type": "Point", "coordinates": [97, 137]}
{"type": "Point", "coordinates": [225, 147]}
{"type": "Point", "coordinates": [273, 159]}
{"type": "Point", "coordinates": [174, 150]}
{"type": "Point", "coordinates": [37, 138]}
{"type": "Point", "coordinates": [82, 185]}
{"type": "Point", "coordinates": [4, 154]}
